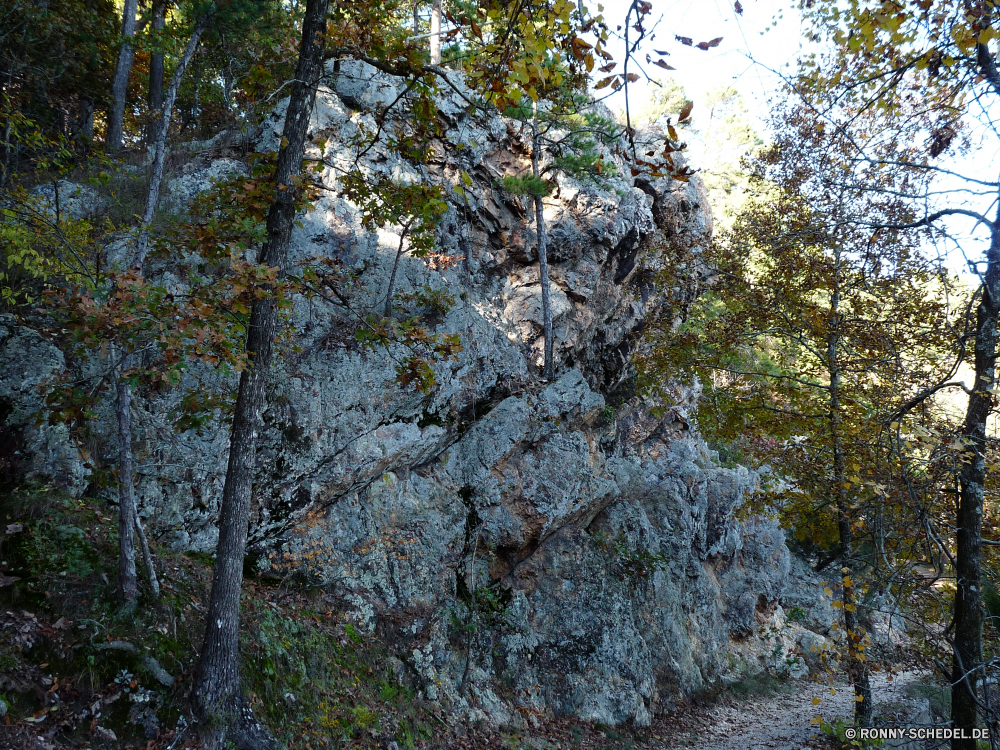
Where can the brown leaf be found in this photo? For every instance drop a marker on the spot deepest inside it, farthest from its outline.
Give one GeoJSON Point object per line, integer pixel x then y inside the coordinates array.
{"type": "Point", "coordinates": [708, 45]}
{"type": "Point", "coordinates": [738, 7]}
{"type": "Point", "coordinates": [685, 40]}
{"type": "Point", "coordinates": [663, 65]}
{"type": "Point", "coordinates": [686, 110]}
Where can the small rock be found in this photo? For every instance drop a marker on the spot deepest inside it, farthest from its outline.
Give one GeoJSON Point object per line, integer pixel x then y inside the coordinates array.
{"type": "Point", "coordinates": [105, 735]}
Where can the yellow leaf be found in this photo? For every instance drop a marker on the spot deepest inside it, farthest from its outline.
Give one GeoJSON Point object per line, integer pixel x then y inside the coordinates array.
{"type": "Point", "coordinates": [816, 701]}
{"type": "Point", "coordinates": [828, 591]}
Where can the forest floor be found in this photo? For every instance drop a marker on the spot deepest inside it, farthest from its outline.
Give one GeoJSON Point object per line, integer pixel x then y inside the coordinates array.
{"type": "Point", "coordinates": [789, 718]}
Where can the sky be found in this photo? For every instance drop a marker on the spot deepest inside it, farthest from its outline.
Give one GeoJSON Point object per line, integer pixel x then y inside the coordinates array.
{"type": "Point", "coordinates": [763, 39]}
{"type": "Point", "coordinates": [756, 46]}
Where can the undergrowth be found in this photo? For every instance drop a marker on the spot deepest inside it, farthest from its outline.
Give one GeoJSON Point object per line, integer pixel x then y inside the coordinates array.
{"type": "Point", "coordinates": [312, 678]}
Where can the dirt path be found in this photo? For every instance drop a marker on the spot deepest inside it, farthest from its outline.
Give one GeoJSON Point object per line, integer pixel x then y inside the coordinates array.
{"type": "Point", "coordinates": [784, 721]}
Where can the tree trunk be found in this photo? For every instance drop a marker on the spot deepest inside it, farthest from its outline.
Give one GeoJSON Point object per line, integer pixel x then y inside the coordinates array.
{"type": "Point", "coordinates": [128, 589]}
{"type": "Point", "coordinates": [221, 708]}
{"type": "Point", "coordinates": [128, 519]}
{"type": "Point", "coordinates": [968, 651]}
{"type": "Point", "coordinates": [543, 259]}
{"type": "Point", "coordinates": [856, 658]}
{"type": "Point", "coordinates": [147, 559]}
{"type": "Point", "coordinates": [387, 308]}
{"type": "Point", "coordinates": [160, 149]}
{"type": "Point", "coordinates": [156, 72]}
{"type": "Point", "coordinates": [119, 89]}
{"type": "Point", "coordinates": [436, 32]}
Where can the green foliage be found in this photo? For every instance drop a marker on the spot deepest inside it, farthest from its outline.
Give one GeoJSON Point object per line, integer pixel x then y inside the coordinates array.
{"type": "Point", "coordinates": [313, 686]}
{"type": "Point", "coordinates": [418, 207]}
{"type": "Point", "coordinates": [761, 340]}
{"type": "Point", "coordinates": [486, 606]}
{"type": "Point", "coordinates": [527, 185]}
{"type": "Point", "coordinates": [424, 347]}
{"type": "Point", "coordinates": [514, 50]}
{"type": "Point", "coordinates": [428, 300]}
{"type": "Point", "coordinates": [838, 729]}
{"type": "Point", "coordinates": [55, 57]}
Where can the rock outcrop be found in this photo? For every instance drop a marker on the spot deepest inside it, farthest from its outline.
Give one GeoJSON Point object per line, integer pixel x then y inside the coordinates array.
{"type": "Point", "coordinates": [528, 547]}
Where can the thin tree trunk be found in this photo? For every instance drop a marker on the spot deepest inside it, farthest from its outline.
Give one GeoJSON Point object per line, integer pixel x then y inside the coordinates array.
{"type": "Point", "coordinates": [128, 588]}
{"type": "Point", "coordinates": [543, 259]}
{"type": "Point", "coordinates": [219, 702]}
{"type": "Point", "coordinates": [119, 89]}
{"type": "Point", "coordinates": [127, 514]}
{"type": "Point", "coordinates": [856, 658]}
{"type": "Point", "coordinates": [387, 309]}
{"type": "Point", "coordinates": [160, 151]}
{"type": "Point", "coordinates": [147, 559]}
{"type": "Point", "coordinates": [156, 72]}
{"type": "Point", "coordinates": [436, 32]}
{"type": "Point", "coordinates": [968, 651]}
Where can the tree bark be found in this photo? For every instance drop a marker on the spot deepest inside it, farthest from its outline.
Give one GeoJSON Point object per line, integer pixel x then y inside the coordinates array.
{"type": "Point", "coordinates": [856, 658]}
{"type": "Point", "coordinates": [147, 559]}
{"type": "Point", "coordinates": [128, 588]}
{"type": "Point", "coordinates": [119, 89]}
{"type": "Point", "coordinates": [128, 518]}
{"type": "Point", "coordinates": [436, 32]}
{"type": "Point", "coordinates": [387, 307]}
{"type": "Point", "coordinates": [543, 258]}
{"type": "Point", "coordinates": [156, 72]}
{"type": "Point", "coordinates": [163, 129]}
{"type": "Point", "coordinates": [968, 649]}
{"type": "Point", "coordinates": [219, 702]}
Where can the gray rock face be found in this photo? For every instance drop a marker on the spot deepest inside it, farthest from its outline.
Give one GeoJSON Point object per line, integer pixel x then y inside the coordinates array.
{"type": "Point", "coordinates": [46, 452]}
{"type": "Point", "coordinates": [529, 548]}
